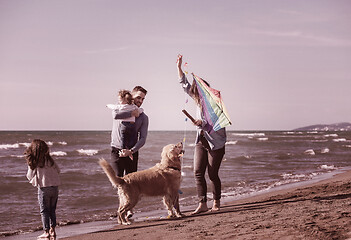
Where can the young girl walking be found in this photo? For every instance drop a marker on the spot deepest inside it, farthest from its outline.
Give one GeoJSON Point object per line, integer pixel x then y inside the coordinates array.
{"type": "Point", "coordinates": [43, 173]}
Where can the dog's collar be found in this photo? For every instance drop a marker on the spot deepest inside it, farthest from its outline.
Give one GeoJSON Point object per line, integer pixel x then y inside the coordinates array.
{"type": "Point", "coordinates": [175, 168]}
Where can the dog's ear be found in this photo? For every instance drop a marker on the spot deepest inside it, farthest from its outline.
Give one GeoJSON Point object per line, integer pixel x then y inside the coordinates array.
{"type": "Point", "coordinates": [165, 151]}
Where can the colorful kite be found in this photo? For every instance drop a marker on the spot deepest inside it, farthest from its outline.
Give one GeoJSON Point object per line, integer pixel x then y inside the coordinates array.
{"type": "Point", "coordinates": [213, 107]}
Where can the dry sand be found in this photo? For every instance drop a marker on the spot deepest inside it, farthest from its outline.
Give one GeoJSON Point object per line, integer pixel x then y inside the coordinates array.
{"type": "Point", "coordinates": [318, 211]}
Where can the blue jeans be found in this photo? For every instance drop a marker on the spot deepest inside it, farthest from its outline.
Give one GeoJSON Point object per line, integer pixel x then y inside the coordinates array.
{"type": "Point", "coordinates": [47, 197]}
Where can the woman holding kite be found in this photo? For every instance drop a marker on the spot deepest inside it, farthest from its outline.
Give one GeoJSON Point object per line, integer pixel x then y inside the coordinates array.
{"type": "Point", "coordinates": [210, 139]}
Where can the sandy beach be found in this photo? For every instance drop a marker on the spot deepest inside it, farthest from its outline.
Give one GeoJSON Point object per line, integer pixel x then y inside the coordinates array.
{"type": "Point", "coordinates": [320, 210]}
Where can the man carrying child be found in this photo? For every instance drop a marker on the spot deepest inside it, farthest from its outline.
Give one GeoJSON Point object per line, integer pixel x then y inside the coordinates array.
{"type": "Point", "coordinates": [128, 136]}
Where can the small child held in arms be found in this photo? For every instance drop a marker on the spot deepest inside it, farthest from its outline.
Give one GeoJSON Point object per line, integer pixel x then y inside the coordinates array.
{"type": "Point", "coordinates": [43, 173]}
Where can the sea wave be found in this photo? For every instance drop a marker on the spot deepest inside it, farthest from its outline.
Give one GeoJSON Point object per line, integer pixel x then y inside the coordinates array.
{"type": "Point", "coordinates": [17, 156]}
{"type": "Point", "coordinates": [231, 142]}
{"type": "Point", "coordinates": [59, 153]}
{"type": "Point", "coordinates": [290, 176]}
{"type": "Point", "coordinates": [325, 150]}
{"type": "Point", "coordinates": [292, 133]}
{"type": "Point", "coordinates": [249, 134]}
{"type": "Point", "coordinates": [242, 158]}
{"type": "Point", "coordinates": [26, 144]}
{"type": "Point", "coordinates": [328, 167]}
{"type": "Point", "coordinates": [339, 140]}
{"type": "Point", "coordinates": [14, 146]}
{"type": "Point", "coordinates": [243, 189]}
{"type": "Point", "coordinates": [88, 152]}
{"type": "Point", "coordinates": [309, 152]}
{"type": "Point", "coordinates": [320, 141]}
{"type": "Point", "coordinates": [7, 146]}
{"type": "Point", "coordinates": [331, 135]}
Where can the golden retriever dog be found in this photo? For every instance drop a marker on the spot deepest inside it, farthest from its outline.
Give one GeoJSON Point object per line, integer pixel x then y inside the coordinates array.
{"type": "Point", "coordinates": [163, 179]}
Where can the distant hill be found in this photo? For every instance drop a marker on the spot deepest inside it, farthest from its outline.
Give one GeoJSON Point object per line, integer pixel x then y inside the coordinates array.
{"type": "Point", "coordinates": [345, 126]}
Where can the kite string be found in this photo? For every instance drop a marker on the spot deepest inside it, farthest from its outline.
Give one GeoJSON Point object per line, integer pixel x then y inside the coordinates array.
{"type": "Point", "coordinates": [185, 128]}
{"type": "Point", "coordinates": [186, 118]}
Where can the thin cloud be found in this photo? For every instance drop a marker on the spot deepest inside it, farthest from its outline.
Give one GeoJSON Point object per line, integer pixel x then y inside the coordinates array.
{"type": "Point", "coordinates": [289, 12]}
{"type": "Point", "coordinates": [304, 17]}
{"type": "Point", "coordinates": [314, 39]}
{"type": "Point", "coordinates": [106, 50]}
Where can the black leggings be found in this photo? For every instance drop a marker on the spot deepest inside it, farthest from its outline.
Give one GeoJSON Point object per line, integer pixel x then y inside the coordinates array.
{"type": "Point", "coordinates": [204, 158]}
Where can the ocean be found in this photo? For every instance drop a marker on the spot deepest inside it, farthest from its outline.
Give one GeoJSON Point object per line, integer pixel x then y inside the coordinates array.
{"type": "Point", "coordinates": [254, 162]}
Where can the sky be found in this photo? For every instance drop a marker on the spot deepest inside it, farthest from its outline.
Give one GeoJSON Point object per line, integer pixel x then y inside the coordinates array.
{"type": "Point", "coordinates": [279, 64]}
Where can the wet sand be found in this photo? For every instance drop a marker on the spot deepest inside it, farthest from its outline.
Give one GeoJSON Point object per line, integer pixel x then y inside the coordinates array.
{"type": "Point", "coordinates": [320, 210]}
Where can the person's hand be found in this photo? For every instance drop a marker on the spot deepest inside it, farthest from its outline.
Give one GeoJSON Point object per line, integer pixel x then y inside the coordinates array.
{"type": "Point", "coordinates": [179, 61]}
{"type": "Point", "coordinates": [135, 113]}
{"type": "Point", "coordinates": [122, 153]}
{"type": "Point", "coordinates": [198, 123]}
{"type": "Point", "coordinates": [126, 153]}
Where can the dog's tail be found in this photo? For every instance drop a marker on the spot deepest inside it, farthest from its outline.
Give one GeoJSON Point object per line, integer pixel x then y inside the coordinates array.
{"type": "Point", "coordinates": [114, 179]}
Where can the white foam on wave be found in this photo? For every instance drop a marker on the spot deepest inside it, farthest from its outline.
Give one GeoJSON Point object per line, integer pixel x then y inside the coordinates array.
{"type": "Point", "coordinates": [231, 142]}
{"type": "Point", "coordinates": [292, 178]}
{"type": "Point", "coordinates": [25, 144]}
{"type": "Point", "coordinates": [249, 134]}
{"type": "Point", "coordinates": [17, 156]}
{"type": "Point", "coordinates": [289, 133]}
{"type": "Point", "coordinates": [310, 152]}
{"type": "Point", "coordinates": [7, 146]}
{"type": "Point", "coordinates": [292, 133]}
{"type": "Point", "coordinates": [348, 146]}
{"type": "Point", "coordinates": [49, 143]}
{"type": "Point", "coordinates": [59, 153]}
{"type": "Point", "coordinates": [339, 140]}
{"type": "Point", "coordinates": [62, 143]}
{"type": "Point", "coordinates": [287, 176]}
{"type": "Point", "coordinates": [325, 150]}
{"type": "Point", "coordinates": [89, 152]}
{"type": "Point", "coordinates": [262, 139]}
{"type": "Point", "coordinates": [246, 190]}
{"type": "Point", "coordinates": [331, 135]}
{"type": "Point", "coordinates": [243, 157]}
{"type": "Point", "coordinates": [18, 145]}
{"type": "Point", "coordinates": [319, 141]}
{"type": "Point", "coordinates": [326, 167]}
